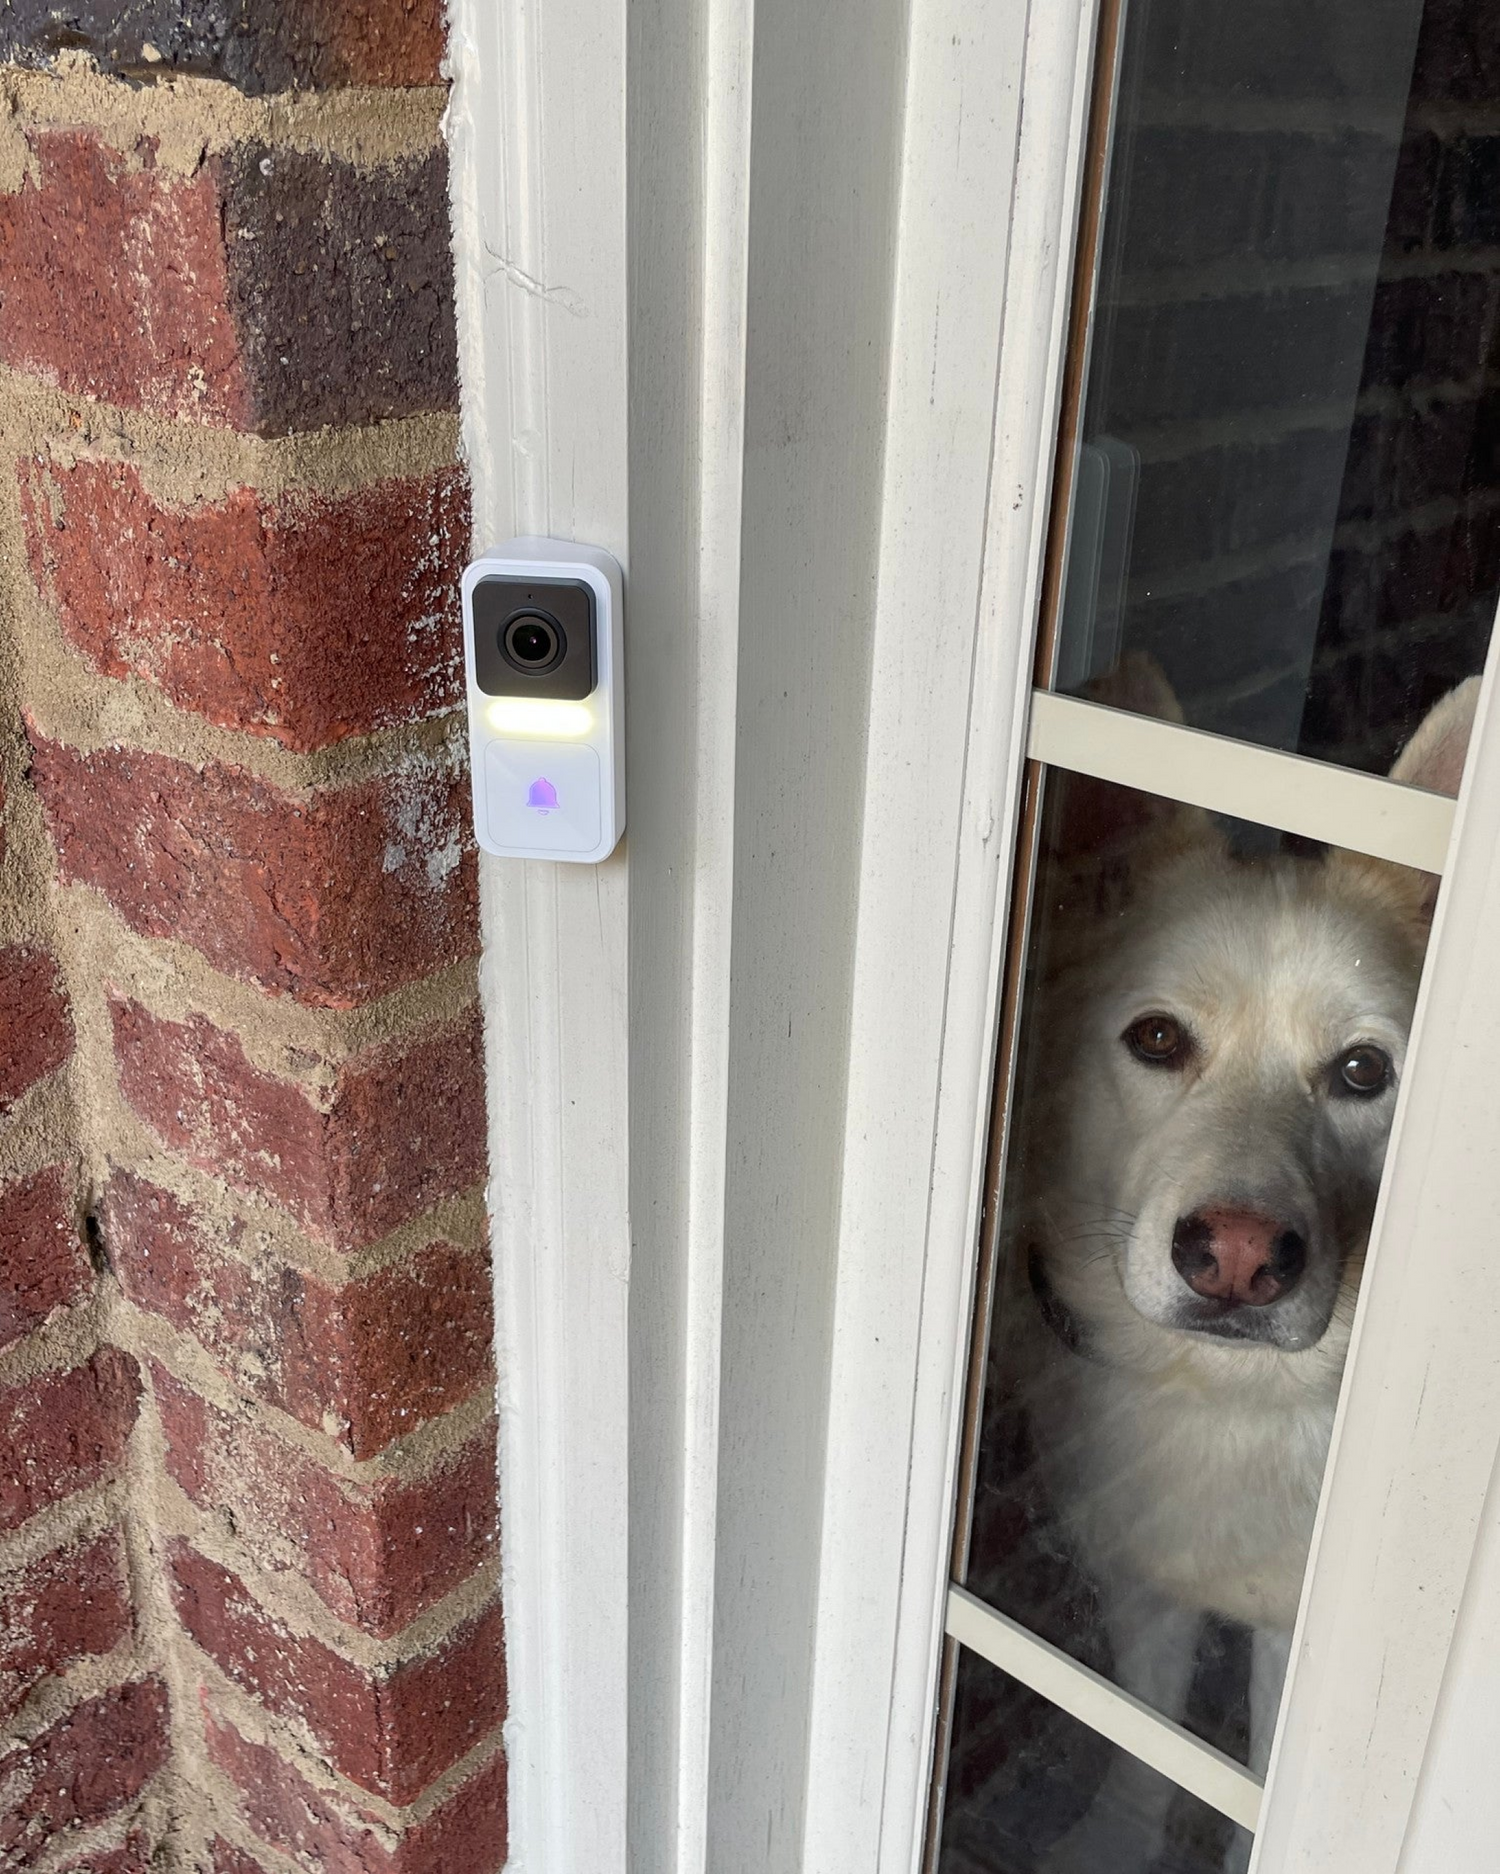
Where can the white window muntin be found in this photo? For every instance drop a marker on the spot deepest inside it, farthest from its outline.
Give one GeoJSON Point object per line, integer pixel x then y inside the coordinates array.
{"type": "Point", "coordinates": [1339, 806]}
{"type": "Point", "coordinates": [1106, 1708]}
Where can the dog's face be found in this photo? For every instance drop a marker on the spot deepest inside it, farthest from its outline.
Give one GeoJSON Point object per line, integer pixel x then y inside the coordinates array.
{"type": "Point", "coordinates": [1218, 1067]}
{"type": "Point", "coordinates": [1228, 1097]}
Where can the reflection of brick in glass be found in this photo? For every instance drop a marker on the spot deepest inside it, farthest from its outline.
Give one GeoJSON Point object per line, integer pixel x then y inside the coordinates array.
{"type": "Point", "coordinates": [542, 795]}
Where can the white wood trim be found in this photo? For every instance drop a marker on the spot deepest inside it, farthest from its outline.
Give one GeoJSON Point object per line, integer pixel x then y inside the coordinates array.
{"type": "Point", "coordinates": [974, 348]}
{"type": "Point", "coordinates": [962, 115]}
{"type": "Point", "coordinates": [1104, 1707]}
{"type": "Point", "coordinates": [537, 126]}
{"type": "Point", "coordinates": [1455, 1816]}
{"type": "Point", "coordinates": [1362, 812]}
{"type": "Point", "coordinates": [725, 120]}
{"type": "Point", "coordinates": [689, 137]}
{"type": "Point", "coordinates": [826, 138]}
{"type": "Point", "coordinates": [1418, 1433]}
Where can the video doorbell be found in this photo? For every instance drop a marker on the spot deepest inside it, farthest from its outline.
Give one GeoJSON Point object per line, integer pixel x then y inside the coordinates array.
{"type": "Point", "coordinates": [542, 642]}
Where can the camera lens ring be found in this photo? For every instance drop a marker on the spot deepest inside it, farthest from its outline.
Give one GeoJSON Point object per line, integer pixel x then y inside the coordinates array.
{"type": "Point", "coordinates": [532, 641]}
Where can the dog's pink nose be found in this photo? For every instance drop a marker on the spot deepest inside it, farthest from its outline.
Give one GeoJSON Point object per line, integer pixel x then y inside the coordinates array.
{"type": "Point", "coordinates": [1237, 1255]}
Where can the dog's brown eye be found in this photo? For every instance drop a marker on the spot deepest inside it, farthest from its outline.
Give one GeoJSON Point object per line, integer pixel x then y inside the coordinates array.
{"type": "Point", "coordinates": [1157, 1040]}
{"type": "Point", "coordinates": [1364, 1071]}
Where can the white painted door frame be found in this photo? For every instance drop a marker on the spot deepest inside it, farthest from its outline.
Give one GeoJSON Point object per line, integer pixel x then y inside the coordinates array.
{"type": "Point", "coordinates": [537, 140]}
{"type": "Point", "coordinates": [770, 299]}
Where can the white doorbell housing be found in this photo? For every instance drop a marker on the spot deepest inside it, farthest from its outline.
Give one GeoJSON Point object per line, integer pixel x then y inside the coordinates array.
{"type": "Point", "coordinates": [542, 644]}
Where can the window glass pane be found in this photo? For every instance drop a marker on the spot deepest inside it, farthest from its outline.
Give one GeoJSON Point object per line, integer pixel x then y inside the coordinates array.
{"type": "Point", "coordinates": [1213, 1032]}
{"type": "Point", "coordinates": [1288, 485]}
{"type": "Point", "coordinates": [1030, 1788]}
{"type": "Point", "coordinates": [1283, 527]}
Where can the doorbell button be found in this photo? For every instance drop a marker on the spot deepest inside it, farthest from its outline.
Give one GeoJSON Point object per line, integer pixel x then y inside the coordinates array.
{"type": "Point", "coordinates": [542, 649]}
{"type": "Point", "coordinates": [542, 793]}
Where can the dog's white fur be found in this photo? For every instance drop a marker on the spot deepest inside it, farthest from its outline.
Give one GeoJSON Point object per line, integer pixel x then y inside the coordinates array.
{"type": "Point", "coordinates": [1187, 1465]}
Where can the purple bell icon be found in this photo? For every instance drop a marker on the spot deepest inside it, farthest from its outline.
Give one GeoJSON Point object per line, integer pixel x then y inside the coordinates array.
{"type": "Point", "coordinates": [542, 795]}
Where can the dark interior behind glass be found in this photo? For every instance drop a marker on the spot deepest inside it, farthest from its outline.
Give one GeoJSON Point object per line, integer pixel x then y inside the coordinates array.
{"type": "Point", "coordinates": [1289, 487]}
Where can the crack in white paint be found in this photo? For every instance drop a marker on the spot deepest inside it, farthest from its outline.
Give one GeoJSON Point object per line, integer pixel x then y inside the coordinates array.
{"type": "Point", "coordinates": [561, 296]}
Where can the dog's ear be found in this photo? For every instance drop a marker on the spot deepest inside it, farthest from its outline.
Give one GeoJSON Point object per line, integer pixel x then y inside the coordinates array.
{"type": "Point", "coordinates": [1100, 820]}
{"type": "Point", "coordinates": [1137, 683]}
{"type": "Point", "coordinates": [1102, 840]}
{"type": "Point", "coordinates": [1433, 758]}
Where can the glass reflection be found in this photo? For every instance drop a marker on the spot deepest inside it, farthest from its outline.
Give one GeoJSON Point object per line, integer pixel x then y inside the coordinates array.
{"type": "Point", "coordinates": [1032, 1791]}
{"type": "Point", "coordinates": [1288, 487]}
{"type": "Point", "coordinates": [1284, 527]}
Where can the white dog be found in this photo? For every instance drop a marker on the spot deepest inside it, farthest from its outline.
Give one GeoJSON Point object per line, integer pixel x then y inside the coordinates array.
{"type": "Point", "coordinates": [1199, 1154]}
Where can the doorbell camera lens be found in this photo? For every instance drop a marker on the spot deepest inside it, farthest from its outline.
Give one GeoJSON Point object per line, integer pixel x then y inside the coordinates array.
{"type": "Point", "coordinates": [533, 642]}
{"type": "Point", "coordinates": [534, 637]}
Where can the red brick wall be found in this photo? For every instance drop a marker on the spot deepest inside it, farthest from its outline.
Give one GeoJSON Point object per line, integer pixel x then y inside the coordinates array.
{"type": "Point", "coordinates": [248, 1557]}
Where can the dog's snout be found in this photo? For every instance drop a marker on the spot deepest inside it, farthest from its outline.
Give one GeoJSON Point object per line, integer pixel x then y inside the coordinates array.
{"type": "Point", "coordinates": [1238, 1256]}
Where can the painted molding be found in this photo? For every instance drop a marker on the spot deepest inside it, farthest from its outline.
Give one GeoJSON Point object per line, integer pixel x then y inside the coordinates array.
{"type": "Point", "coordinates": [537, 133]}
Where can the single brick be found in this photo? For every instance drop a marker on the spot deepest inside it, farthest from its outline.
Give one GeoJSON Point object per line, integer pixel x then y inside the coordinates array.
{"type": "Point", "coordinates": [43, 1263]}
{"type": "Point", "coordinates": [335, 897]}
{"type": "Point", "coordinates": [1259, 622]}
{"type": "Point", "coordinates": [303, 290]}
{"type": "Point", "coordinates": [378, 1552]}
{"type": "Point", "coordinates": [1380, 598]}
{"type": "Point", "coordinates": [81, 1770]}
{"type": "Point", "coordinates": [1429, 329]}
{"type": "Point", "coordinates": [36, 1033]}
{"type": "Point", "coordinates": [342, 280]}
{"type": "Point", "coordinates": [258, 45]}
{"type": "Point", "coordinates": [65, 1430]}
{"type": "Point", "coordinates": [1458, 54]}
{"type": "Point", "coordinates": [1471, 573]}
{"type": "Point", "coordinates": [1402, 459]}
{"type": "Point", "coordinates": [328, 1834]}
{"type": "Point", "coordinates": [1415, 192]}
{"type": "Point", "coordinates": [90, 302]}
{"type": "Point", "coordinates": [307, 618]}
{"type": "Point", "coordinates": [1188, 359]}
{"type": "Point", "coordinates": [365, 1362]}
{"type": "Point", "coordinates": [61, 1607]}
{"type": "Point", "coordinates": [1363, 705]}
{"type": "Point", "coordinates": [1426, 571]}
{"type": "Point", "coordinates": [1203, 192]}
{"type": "Point", "coordinates": [403, 1129]}
{"type": "Point", "coordinates": [1237, 498]}
{"type": "Point", "coordinates": [391, 1729]}
{"type": "Point", "coordinates": [1276, 49]}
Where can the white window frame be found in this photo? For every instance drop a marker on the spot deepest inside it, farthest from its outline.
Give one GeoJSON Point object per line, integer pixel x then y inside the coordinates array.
{"type": "Point", "coordinates": [617, 213]}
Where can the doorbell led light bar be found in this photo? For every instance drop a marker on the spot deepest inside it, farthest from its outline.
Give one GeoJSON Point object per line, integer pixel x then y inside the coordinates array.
{"type": "Point", "coordinates": [542, 643]}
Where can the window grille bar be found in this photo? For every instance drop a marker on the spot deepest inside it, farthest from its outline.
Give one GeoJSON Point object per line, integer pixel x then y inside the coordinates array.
{"type": "Point", "coordinates": [1186, 1760]}
{"type": "Point", "coordinates": [1361, 812]}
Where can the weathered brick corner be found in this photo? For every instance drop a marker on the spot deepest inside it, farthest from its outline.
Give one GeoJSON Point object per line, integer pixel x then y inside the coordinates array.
{"type": "Point", "coordinates": [249, 1570]}
{"type": "Point", "coordinates": [257, 45]}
